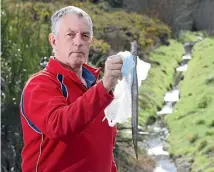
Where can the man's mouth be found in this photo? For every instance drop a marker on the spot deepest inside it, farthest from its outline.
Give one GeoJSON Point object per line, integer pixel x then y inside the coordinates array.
{"type": "Point", "coordinates": [76, 52]}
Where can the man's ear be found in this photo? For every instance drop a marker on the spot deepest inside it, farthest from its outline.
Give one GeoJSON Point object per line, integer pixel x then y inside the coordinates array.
{"type": "Point", "coordinates": [52, 40]}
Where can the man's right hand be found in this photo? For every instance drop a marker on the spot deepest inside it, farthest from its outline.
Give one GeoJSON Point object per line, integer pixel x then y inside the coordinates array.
{"type": "Point", "coordinates": [112, 73]}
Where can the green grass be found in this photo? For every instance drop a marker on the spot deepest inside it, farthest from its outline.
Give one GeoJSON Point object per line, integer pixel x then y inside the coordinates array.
{"type": "Point", "coordinates": [152, 91]}
{"type": "Point", "coordinates": [192, 124]}
{"type": "Point", "coordinates": [160, 77]}
{"type": "Point", "coordinates": [188, 36]}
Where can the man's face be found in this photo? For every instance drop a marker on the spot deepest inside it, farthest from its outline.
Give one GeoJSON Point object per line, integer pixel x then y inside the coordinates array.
{"type": "Point", "coordinates": [73, 40]}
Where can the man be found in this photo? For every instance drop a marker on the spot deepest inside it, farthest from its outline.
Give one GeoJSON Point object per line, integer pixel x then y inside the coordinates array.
{"type": "Point", "coordinates": [62, 106]}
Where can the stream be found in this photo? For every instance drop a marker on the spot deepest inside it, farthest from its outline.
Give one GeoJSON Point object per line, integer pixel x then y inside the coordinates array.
{"type": "Point", "coordinates": [156, 141]}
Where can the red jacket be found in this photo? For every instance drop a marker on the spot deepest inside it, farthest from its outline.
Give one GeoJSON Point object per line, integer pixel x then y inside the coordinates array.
{"type": "Point", "coordinates": [62, 122]}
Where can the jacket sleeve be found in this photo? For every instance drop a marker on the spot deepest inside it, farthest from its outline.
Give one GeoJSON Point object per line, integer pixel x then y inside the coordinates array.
{"type": "Point", "coordinates": [46, 107]}
{"type": "Point", "coordinates": [113, 166]}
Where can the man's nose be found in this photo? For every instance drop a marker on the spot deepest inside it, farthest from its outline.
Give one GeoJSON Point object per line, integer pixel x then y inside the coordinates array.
{"type": "Point", "coordinates": [78, 40]}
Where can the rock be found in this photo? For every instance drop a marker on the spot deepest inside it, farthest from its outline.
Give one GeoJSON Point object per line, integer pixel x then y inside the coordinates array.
{"type": "Point", "coordinates": [188, 47]}
{"type": "Point", "coordinates": [166, 146]}
{"type": "Point", "coordinates": [157, 129]}
{"type": "Point", "coordinates": [182, 165]}
{"type": "Point", "coordinates": [180, 15]}
{"type": "Point", "coordinates": [156, 151]}
{"type": "Point", "coordinates": [191, 160]}
{"type": "Point", "coordinates": [151, 120]}
{"type": "Point", "coordinates": [204, 16]}
{"type": "Point", "coordinates": [164, 40]}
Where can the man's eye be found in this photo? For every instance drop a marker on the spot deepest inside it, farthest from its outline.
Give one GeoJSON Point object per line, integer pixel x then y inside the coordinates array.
{"type": "Point", "coordinates": [71, 34]}
{"type": "Point", "coordinates": [86, 37]}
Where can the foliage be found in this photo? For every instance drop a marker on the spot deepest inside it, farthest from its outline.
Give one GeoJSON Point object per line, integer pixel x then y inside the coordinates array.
{"type": "Point", "coordinates": [200, 103]}
{"type": "Point", "coordinates": [99, 52]}
{"type": "Point", "coordinates": [188, 36]}
{"type": "Point", "coordinates": [21, 53]}
{"type": "Point", "coordinates": [116, 3]}
{"type": "Point", "coordinates": [23, 45]}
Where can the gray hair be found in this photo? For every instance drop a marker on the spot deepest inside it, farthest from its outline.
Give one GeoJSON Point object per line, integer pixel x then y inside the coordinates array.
{"type": "Point", "coordinates": [56, 18]}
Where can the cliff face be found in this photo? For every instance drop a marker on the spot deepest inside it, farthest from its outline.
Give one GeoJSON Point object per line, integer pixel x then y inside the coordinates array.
{"type": "Point", "coordinates": [204, 16]}
{"type": "Point", "coordinates": [182, 14]}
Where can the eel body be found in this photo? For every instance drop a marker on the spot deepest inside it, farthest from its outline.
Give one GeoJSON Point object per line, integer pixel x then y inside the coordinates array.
{"type": "Point", "coordinates": [134, 96]}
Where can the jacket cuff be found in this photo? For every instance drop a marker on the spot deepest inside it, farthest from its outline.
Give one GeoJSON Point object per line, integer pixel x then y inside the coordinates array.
{"type": "Point", "coordinates": [108, 96]}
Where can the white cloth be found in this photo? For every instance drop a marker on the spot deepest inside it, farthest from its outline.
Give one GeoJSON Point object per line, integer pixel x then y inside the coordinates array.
{"type": "Point", "coordinates": [120, 108]}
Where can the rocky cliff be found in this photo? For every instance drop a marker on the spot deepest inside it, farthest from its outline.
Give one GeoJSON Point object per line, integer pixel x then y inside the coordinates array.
{"type": "Point", "coordinates": [180, 15]}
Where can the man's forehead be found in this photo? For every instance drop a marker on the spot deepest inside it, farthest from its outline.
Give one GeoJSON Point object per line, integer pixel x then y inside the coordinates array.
{"type": "Point", "coordinates": [73, 30]}
{"type": "Point", "coordinates": [72, 21]}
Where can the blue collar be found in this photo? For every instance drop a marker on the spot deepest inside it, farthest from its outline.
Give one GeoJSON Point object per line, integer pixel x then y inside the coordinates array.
{"type": "Point", "coordinates": [88, 76]}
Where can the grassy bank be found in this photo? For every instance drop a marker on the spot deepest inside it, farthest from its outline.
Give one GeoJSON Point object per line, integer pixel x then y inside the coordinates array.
{"type": "Point", "coordinates": [165, 60]}
{"type": "Point", "coordinates": [192, 124]}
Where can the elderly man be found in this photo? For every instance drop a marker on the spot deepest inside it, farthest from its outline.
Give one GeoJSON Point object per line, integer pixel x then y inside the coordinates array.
{"type": "Point", "coordinates": [62, 106]}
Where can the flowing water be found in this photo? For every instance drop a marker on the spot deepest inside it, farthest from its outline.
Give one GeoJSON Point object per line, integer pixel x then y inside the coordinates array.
{"type": "Point", "coordinates": [156, 141]}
